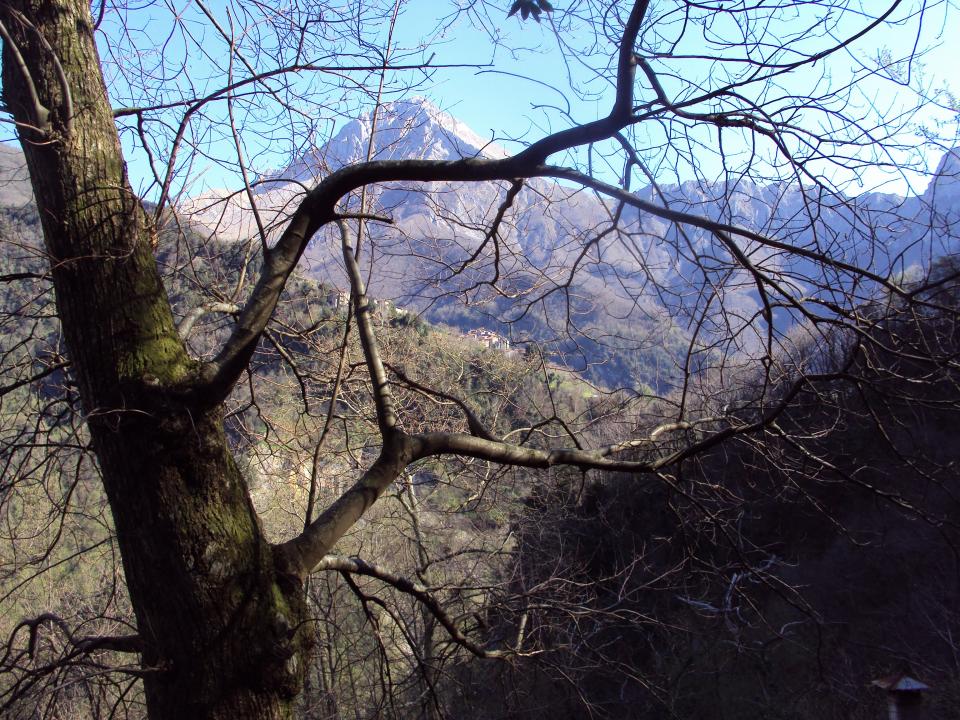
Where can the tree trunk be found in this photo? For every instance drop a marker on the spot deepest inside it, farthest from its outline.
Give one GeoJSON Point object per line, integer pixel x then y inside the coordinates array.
{"type": "Point", "coordinates": [220, 624]}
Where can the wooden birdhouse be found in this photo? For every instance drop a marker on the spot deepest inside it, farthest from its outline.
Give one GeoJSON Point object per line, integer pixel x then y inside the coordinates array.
{"type": "Point", "coordinates": [904, 697]}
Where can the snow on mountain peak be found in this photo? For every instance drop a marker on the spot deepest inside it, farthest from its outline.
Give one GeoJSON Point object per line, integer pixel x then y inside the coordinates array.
{"type": "Point", "coordinates": [411, 128]}
{"type": "Point", "coordinates": [453, 128]}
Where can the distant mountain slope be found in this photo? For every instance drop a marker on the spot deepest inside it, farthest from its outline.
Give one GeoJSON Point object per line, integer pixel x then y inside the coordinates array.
{"type": "Point", "coordinates": [626, 315]}
{"type": "Point", "coordinates": [635, 292]}
{"type": "Point", "coordinates": [21, 239]}
{"type": "Point", "coordinates": [942, 196]}
{"type": "Point", "coordinates": [15, 190]}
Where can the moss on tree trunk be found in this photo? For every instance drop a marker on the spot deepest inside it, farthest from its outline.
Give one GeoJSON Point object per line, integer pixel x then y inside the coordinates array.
{"type": "Point", "coordinates": [221, 626]}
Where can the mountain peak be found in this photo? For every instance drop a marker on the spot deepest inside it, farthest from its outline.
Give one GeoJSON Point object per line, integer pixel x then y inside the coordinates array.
{"type": "Point", "coordinates": [947, 177]}
{"type": "Point", "coordinates": [409, 128]}
{"type": "Point", "coordinates": [419, 102]}
{"type": "Point", "coordinates": [950, 164]}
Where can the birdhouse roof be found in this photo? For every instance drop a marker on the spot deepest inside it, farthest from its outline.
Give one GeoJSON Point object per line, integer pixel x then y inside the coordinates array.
{"type": "Point", "coordinates": [900, 683]}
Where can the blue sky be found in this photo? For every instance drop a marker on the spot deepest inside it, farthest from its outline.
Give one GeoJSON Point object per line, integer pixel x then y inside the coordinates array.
{"type": "Point", "coordinates": [515, 99]}
{"type": "Point", "coordinates": [520, 87]}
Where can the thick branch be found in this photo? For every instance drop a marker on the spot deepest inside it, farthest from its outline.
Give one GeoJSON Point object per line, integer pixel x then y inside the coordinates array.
{"type": "Point", "coordinates": [4, 389]}
{"type": "Point", "coordinates": [507, 454]}
{"type": "Point", "coordinates": [713, 226]}
{"type": "Point", "coordinates": [79, 645]}
{"type": "Point", "coordinates": [382, 397]}
{"type": "Point", "coordinates": [301, 555]}
{"type": "Point", "coordinates": [318, 209]}
{"type": "Point", "coordinates": [38, 111]}
{"type": "Point", "coordinates": [620, 115]}
{"type": "Point", "coordinates": [186, 325]}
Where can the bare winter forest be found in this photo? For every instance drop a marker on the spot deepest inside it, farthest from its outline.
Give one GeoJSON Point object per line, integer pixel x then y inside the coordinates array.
{"type": "Point", "coordinates": [473, 360]}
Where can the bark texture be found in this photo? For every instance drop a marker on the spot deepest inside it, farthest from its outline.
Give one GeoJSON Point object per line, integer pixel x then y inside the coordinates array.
{"type": "Point", "coordinates": [221, 626]}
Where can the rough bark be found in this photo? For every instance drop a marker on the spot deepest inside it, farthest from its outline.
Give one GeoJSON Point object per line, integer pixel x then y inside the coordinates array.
{"type": "Point", "coordinates": [220, 626]}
